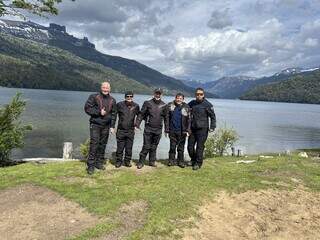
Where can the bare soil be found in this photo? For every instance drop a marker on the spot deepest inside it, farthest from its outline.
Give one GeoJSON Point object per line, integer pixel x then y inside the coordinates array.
{"type": "Point", "coordinates": [32, 212]}
{"type": "Point", "coordinates": [267, 214]}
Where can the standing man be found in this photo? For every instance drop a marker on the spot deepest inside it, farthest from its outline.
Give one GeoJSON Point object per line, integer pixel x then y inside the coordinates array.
{"type": "Point", "coordinates": [153, 113]}
{"type": "Point", "coordinates": [201, 111]}
{"type": "Point", "coordinates": [127, 112]}
{"type": "Point", "coordinates": [102, 110]}
{"type": "Point", "coordinates": [178, 127]}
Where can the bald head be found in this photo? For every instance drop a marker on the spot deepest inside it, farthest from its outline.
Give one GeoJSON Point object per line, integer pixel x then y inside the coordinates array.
{"type": "Point", "coordinates": [105, 88]}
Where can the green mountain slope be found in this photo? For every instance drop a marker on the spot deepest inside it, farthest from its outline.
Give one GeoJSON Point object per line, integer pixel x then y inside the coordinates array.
{"type": "Point", "coordinates": [28, 64]}
{"type": "Point", "coordinates": [301, 88]}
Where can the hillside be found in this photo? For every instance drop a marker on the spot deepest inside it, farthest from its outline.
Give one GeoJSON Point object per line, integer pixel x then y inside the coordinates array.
{"type": "Point", "coordinates": [299, 88]}
{"type": "Point", "coordinates": [28, 64]}
{"type": "Point", "coordinates": [56, 35]}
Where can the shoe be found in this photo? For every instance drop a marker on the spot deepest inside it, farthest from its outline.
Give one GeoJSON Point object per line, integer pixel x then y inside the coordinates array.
{"type": "Point", "coordinates": [100, 167]}
{"type": "Point", "coordinates": [152, 164]}
{"type": "Point", "coordinates": [128, 164]}
{"type": "Point", "coordinates": [182, 164]}
{"type": "Point", "coordinates": [195, 167]}
{"type": "Point", "coordinates": [118, 164]}
{"type": "Point", "coordinates": [170, 163]}
{"type": "Point", "coordinates": [188, 163]}
{"type": "Point", "coordinates": [140, 165]}
{"type": "Point", "coordinates": [90, 170]}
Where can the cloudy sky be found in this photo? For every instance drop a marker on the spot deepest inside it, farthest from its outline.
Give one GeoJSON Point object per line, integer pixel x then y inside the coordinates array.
{"type": "Point", "coordinates": [201, 39]}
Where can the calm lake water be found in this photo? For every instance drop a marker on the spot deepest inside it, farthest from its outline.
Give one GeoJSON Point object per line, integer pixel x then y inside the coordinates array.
{"type": "Point", "coordinates": [58, 116]}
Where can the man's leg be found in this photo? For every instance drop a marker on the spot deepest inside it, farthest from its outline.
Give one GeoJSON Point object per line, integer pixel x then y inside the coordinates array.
{"type": "Point", "coordinates": [191, 147]}
{"type": "Point", "coordinates": [201, 136]}
{"type": "Point", "coordinates": [121, 140]}
{"type": "Point", "coordinates": [94, 144]}
{"type": "Point", "coordinates": [180, 149]}
{"type": "Point", "coordinates": [147, 137]}
{"type": "Point", "coordinates": [173, 146]}
{"type": "Point", "coordinates": [104, 136]}
{"type": "Point", "coordinates": [128, 148]}
{"type": "Point", "coordinates": [153, 149]}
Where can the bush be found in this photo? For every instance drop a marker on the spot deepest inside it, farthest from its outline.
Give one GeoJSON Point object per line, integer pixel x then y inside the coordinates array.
{"type": "Point", "coordinates": [12, 131]}
{"type": "Point", "coordinates": [84, 149]}
{"type": "Point", "coordinates": [220, 141]}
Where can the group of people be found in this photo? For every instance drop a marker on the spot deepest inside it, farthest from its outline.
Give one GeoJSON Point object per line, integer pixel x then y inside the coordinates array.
{"type": "Point", "coordinates": [179, 120]}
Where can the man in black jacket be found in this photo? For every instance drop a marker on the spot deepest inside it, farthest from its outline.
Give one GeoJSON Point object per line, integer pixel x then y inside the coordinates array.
{"type": "Point", "coordinates": [127, 113]}
{"type": "Point", "coordinates": [201, 111]}
{"type": "Point", "coordinates": [178, 127]}
{"type": "Point", "coordinates": [103, 113]}
{"type": "Point", "coordinates": [153, 113]}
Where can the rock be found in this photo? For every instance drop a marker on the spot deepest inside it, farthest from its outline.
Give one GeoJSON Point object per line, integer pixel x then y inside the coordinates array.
{"type": "Point", "coordinates": [246, 161]}
{"type": "Point", "coordinates": [303, 155]}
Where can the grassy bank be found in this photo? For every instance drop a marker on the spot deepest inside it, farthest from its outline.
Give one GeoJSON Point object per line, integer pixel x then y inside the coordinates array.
{"type": "Point", "coordinates": [172, 194]}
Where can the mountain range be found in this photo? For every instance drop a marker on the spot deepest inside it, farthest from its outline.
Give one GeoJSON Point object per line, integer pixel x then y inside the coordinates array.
{"type": "Point", "coordinates": [56, 36]}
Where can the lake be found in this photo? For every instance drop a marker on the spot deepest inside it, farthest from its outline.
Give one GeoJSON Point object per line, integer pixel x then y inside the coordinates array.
{"type": "Point", "coordinates": [58, 116]}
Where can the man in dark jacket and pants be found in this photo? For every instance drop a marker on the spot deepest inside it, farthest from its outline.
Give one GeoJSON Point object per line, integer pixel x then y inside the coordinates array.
{"type": "Point", "coordinates": [102, 109]}
{"type": "Point", "coordinates": [153, 113]}
{"type": "Point", "coordinates": [201, 112]}
{"type": "Point", "coordinates": [127, 113]}
{"type": "Point", "coordinates": [178, 127]}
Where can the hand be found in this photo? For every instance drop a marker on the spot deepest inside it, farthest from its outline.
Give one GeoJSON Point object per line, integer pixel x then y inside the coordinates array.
{"type": "Point", "coordinates": [103, 112]}
{"type": "Point", "coordinates": [187, 134]}
{"type": "Point", "coordinates": [212, 130]}
{"type": "Point", "coordinates": [113, 131]}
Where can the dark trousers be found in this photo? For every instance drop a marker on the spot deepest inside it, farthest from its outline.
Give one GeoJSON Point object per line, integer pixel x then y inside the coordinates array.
{"type": "Point", "coordinates": [98, 141]}
{"type": "Point", "coordinates": [124, 143]}
{"type": "Point", "coordinates": [177, 142]}
{"type": "Point", "coordinates": [196, 144]}
{"type": "Point", "coordinates": [150, 145]}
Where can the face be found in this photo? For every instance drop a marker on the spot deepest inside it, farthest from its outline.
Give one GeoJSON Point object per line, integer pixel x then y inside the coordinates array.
{"type": "Point", "coordinates": [199, 95]}
{"type": "Point", "coordinates": [129, 98]}
{"type": "Point", "coordinates": [179, 100]}
{"type": "Point", "coordinates": [105, 88]}
{"type": "Point", "coordinates": [157, 95]}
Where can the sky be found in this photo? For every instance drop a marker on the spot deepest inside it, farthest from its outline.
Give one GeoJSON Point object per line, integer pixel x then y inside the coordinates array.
{"type": "Point", "coordinates": [200, 40]}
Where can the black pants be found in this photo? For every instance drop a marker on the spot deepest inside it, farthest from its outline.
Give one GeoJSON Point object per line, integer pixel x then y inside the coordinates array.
{"type": "Point", "coordinates": [124, 143]}
{"type": "Point", "coordinates": [177, 142]}
{"type": "Point", "coordinates": [150, 145]}
{"type": "Point", "coordinates": [196, 143]}
{"type": "Point", "coordinates": [98, 140]}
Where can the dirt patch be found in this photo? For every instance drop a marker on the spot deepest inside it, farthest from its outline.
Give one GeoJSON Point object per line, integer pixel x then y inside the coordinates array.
{"type": "Point", "coordinates": [268, 214]}
{"type": "Point", "coordinates": [32, 212]}
{"type": "Point", "coordinates": [131, 217]}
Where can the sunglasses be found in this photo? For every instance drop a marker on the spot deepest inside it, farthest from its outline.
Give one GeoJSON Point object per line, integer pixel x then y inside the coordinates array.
{"type": "Point", "coordinates": [129, 96]}
{"type": "Point", "coordinates": [199, 94]}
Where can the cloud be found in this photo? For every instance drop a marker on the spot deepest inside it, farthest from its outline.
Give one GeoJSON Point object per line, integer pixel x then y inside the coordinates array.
{"type": "Point", "coordinates": [219, 19]}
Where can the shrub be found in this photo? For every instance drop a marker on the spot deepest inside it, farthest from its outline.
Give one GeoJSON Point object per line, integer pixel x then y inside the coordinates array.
{"type": "Point", "coordinates": [84, 149]}
{"type": "Point", "coordinates": [220, 141]}
{"type": "Point", "coordinates": [12, 131]}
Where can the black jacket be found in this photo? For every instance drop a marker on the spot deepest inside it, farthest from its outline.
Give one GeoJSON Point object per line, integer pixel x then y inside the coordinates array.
{"type": "Point", "coordinates": [95, 103]}
{"type": "Point", "coordinates": [127, 115]}
{"type": "Point", "coordinates": [153, 112]}
{"type": "Point", "coordinates": [200, 114]}
{"type": "Point", "coordinates": [185, 111]}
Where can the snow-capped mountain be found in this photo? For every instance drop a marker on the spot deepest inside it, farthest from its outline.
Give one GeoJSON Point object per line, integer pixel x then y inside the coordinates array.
{"type": "Point", "coordinates": [292, 71]}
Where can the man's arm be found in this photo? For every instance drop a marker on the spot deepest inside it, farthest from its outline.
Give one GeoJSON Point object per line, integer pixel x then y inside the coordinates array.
{"type": "Point", "coordinates": [113, 113]}
{"type": "Point", "coordinates": [167, 118]}
{"type": "Point", "coordinates": [212, 117]}
{"type": "Point", "coordinates": [141, 114]}
{"type": "Point", "coordinates": [91, 108]}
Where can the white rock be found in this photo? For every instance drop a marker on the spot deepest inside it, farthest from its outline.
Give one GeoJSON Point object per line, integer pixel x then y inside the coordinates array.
{"type": "Point", "coordinates": [303, 155]}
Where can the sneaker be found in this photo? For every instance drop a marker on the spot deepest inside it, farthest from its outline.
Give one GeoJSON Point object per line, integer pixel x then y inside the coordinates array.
{"type": "Point", "coordinates": [152, 164]}
{"type": "Point", "coordinates": [195, 167]}
{"type": "Point", "coordinates": [128, 164]}
{"type": "Point", "coordinates": [90, 170]}
{"type": "Point", "coordinates": [181, 164]}
{"type": "Point", "coordinates": [170, 163]}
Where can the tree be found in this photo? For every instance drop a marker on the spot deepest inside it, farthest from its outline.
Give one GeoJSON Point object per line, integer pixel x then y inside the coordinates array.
{"type": "Point", "coordinates": [38, 7]}
{"type": "Point", "coordinates": [12, 131]}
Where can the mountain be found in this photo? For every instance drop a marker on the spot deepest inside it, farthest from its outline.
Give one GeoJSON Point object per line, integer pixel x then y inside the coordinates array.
{"type": "Point", "coordinates": [302, 87]}
{"type": "Point", "coordinates": [230, 87]}
{"type": "Point", "coordinates": [57, 36]}
{"type": "Point", "coordinates": [29, 64]}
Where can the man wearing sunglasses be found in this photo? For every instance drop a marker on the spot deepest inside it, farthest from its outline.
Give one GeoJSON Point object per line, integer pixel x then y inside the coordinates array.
{"type": "Point", "coordinates": [127, 113]}
{"type": "Point", "coordinates": [153, 113]}
{"type": "Point", "coordinates": [201, 112]}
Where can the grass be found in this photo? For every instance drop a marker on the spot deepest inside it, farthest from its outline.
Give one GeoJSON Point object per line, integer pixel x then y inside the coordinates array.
{"type": "Point", "coordinates": [173, 194]}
